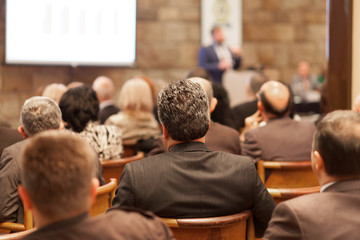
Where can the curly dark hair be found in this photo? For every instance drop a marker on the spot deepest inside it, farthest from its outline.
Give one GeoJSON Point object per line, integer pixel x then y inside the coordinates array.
{"type": "Point", "coordinates": [79, 106]}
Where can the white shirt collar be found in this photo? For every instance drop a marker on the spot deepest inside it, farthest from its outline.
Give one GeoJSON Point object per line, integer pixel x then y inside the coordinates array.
{"type": "Point", "coordinates": [325, 186]}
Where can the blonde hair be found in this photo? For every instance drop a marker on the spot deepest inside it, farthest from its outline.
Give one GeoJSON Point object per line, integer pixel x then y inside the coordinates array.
{"type": "Point", "coordinates": [55, 91]}
{"type": "Point", "coordinates": [136, 96]}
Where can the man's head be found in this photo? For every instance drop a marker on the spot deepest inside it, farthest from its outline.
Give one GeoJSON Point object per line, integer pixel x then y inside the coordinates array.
{"type": "Point", "coordinates": [208, 88]}
{"type": "Point", "coordinates": [255, 84]}
{"type": "Point", "coordinates": [58, 175]}
{"type": "Point", "coordinates": [304, 69]}
{"type": "Point", "coordinates": [217, 34]}
{"type": "Point", "coordinates": [275, 100]}
{"type": "Point", "coordinates": [104, 88]}
{"type": "Point", "coordinates": [39, 114]}
{"type": "Point", "coordinates": [336, 146]}
{"type": "Point", "coordinates": [183, 109]}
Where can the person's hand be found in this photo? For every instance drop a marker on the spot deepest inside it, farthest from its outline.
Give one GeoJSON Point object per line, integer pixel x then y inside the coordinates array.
{"type": "Point", "coordinates": [251, 122]}
{"type": "Point", "coordinates": [224, 65]}
{"type": "Point", "coordinates": [236, 51]}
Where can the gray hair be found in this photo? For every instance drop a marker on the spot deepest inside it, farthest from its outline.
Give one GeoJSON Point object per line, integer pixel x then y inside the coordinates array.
{"type": "Point", "coordinates": [39, 114]}
{"type": "Point", "coordinates": [104, 87]}
{"type": "Point", "coordinates": [183, 108]}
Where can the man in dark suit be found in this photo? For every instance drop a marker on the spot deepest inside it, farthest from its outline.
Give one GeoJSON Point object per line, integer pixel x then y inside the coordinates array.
{"type": "Point", "coordinates": [217, 58]}
{"type": "Point", "coordinates": [8, 137]}
{"type": "Point", "coordinates": [333, 213]}
{"type": "Point", "coordinates": [282, 138]}
{"type": "Point", "coordinates": [190, 180]}
{"type": "Point", "coordinates": [58, 169]}
{"type": "Point", "coordinates": [104, 88]}
{"type": "Point", "coordinates": [218, 138]}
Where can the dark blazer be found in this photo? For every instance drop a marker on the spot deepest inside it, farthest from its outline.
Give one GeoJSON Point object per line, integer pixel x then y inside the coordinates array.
{"type": "Point", "coordinates": [107, 112]}
{"type": "Point", "coordinates": [242, 111]}
{"type": "Point", "coordinates": [8, 137]}
{"type": "Point", "coordinates": [281, 139]}
{"type": "Point", "coordinates": [116, 224]}
{"type": "Point", "coordinates": [332, 214]}
{"type": "Point", "coordinates": [218, 138]}
{"type": "Point", "coordinates": [208, 60]}
{"type": "Point", "coordinates": [192, 181]}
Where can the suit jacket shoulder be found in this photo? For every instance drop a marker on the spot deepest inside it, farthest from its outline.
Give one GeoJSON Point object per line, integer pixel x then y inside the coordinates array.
{"type": "Point", "coordinates": [222, 138]}
{"type": "Point", "coordinates": [9, 136]}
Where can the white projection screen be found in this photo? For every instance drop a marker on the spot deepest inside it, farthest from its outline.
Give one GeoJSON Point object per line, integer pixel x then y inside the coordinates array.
{"type": "Point", "coordinates": [70, 32]}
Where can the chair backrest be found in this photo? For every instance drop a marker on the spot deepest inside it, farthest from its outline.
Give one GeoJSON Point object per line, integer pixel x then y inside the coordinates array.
{"type": "Point", "coordinates": [287, 174]}
{"type": "Point", "coordinates": [104, 197]}
{"type": "Point", "coordinates": [237, 226]}
{"type": "Point", "coordinates": [129, 147]}
{"type": "Point", "coordinates": [114, 168]}
{"type": "Point", "coordinates": [16, 236]}
{"type": "Point", "coordinates": [283, 194]}
{"type": "Point", "coordinates": [17, 227]}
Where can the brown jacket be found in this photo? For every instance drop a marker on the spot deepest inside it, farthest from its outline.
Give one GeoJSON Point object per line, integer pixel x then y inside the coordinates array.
{"type": "Point", "coordinates": [332, 214]}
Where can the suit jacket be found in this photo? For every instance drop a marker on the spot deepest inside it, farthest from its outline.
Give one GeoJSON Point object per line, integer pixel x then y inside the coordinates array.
{"type": "Point", "coordinates": [208, 60]}
{"type": "Point", "coordinates": [281, 139]}
{"type": "Point", "coordinates": [332, 214]}
{"type": "Point", "coordinates": [116, 224]}
{"type": "Point", "coordinates": [192, 181]}
{"type": "Point", "coordinates": [242, 111]}
{"type": "Point", "coordinates": [107, 112]}
{"type": "Point", "coordinates": [11, 208]}
{"type": "Point", "coordinates": [9, 136]}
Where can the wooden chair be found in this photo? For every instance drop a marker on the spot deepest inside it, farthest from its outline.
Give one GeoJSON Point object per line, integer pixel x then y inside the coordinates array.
{"type": "Point", "coordinates": [104, 197]}
{"type": "Point", "coordinates": [283, 194]}
{"type": "Point", "coordinates": [16, 236]}
{"type": "Point", "coordinates": [290, 174]}
{"type": "Point", "coordinates": [17, 227]}
{"type": "Point", "coordinates": [114, 168]}
{"type": "Point", "coordinates": [129, 147]}
{"type": "Point", "coordinates": [237, 226]}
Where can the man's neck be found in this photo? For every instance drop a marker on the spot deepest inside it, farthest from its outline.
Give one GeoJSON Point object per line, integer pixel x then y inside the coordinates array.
{"type": "Point", "coordinates": [171, 142]}
{"type": "Point", "coordinates": [42, 221]}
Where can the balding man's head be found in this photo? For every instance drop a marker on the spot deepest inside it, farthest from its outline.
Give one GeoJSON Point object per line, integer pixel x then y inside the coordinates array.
{"type": "Point", "coordinates": [275, 98]}
{"type": "Point", "coordinates": [104, 88]}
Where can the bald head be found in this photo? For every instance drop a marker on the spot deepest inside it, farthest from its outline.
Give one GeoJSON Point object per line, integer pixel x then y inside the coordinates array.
{"type": "Point", "coordinates": [275, 98]}
{"type": "Point", "coordinates": [205, 84]}
{"type": "Point", "coordinates": [104, 88]}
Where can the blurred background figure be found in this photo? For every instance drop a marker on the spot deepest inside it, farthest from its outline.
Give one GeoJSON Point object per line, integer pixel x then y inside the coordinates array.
{"type": "Point", "coordinates": [55, 91]}
{"type": "Point", "coordinates": [104, 88]}
{"type": "Point", "coordinates": [80, 107]}
{"type": "Point", "coordinates": [356, 104]}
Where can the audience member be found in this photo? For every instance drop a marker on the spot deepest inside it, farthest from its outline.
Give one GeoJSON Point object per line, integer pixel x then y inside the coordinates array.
{"type": "Point", "coordinates": [9, 136]}
{"type": "Point", "coordinates": [282, 138]}
{"type": "Point", "coordinates": [190, 180]}
{"type": "Point", "coordinates": [54, 91]}
{"type": "Point", "coordinates": [243, 110]}
{"type": "Point", "coordinates": [217, 58]}
{"type": "Point", "coordinates": [37, 114]}
{"type": "Point", "coordinates": [104, 88]}
{"type": "Point", "coordinates": [80, 108]}
{"type": "Point", "coordinates": [304, 83]}
{"type": "Point", "coordinates": [198, 72]}
{"type": "Point", "coordinates": [218, 138]}
{"type": "Point", "coordinates": [74, 84]}
{"type": "Point", "coordinates": [136, 119]}
{"type": "Point", "coordinates": [59, 187]}
{"type": "Point", "coordinates": [333, 213]}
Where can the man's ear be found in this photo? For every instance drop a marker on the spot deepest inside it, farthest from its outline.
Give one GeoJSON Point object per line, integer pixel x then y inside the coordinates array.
{"type": "Point", "coordinates": [24, 195]}
{"type": "Point", "coordinates": [21, 130]}
{"type": "Point", "coordinates": [165, 132]}
{"type": "Point", "coordinates": [62, 126]}
{"type": "Point", "coordinates": [318, 165]}
{"type": "Point", "coordinates": [212, 104]}
{"type": "Point", "coordinates": [260, 106]}
{"type": "Point", "coordinates": [94, 185]}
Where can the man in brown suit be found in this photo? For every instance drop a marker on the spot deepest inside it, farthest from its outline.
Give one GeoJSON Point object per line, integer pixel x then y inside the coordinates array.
{"type": "Point", "coordinates": [59, 186]}
{"type": "Point", "coordinates": [334, 213]}
{"type": "Point", "coordinates": [282, 138]}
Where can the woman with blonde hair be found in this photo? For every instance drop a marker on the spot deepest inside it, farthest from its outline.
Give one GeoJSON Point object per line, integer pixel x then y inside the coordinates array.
{"type": "Point", "coordinates": [136, 119]}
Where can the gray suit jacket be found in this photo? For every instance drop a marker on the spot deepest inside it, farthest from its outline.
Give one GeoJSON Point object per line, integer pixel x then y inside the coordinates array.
{"type": "Point", "coordinates": [8, 136]}
{"type": "Point", "coordinates": [332, 214]}
{"type": "Point", "coordinates": [192, 181]}
{"type": "Point", "coordinates": [281, 139]}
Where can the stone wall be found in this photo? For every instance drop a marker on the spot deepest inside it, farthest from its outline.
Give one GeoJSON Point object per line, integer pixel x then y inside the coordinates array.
{"type": "Point", "coordinates": [277, 34]}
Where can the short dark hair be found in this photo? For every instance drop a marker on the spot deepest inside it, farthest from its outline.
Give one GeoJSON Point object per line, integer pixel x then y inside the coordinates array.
{"type": "Point", "coordinates": [337, 139]}
{"type": "Point", "coordinates": [183, 108]}
{"type": "Point", "coordinates": [269, 108]}
{"type": "Point", "coordinates": [79, 106]}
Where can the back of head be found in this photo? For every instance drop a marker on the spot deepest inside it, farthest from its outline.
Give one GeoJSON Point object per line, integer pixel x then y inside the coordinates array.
{"type": "Point", "coordinates": [56, 169]}
{"type": "Point", "coordinates": [104, 88]}
{"type": "Point", "coordinates": [275, 98]}
{"type": "Point", "coordinates": [205, 84]}
{"type": "Point", "coordinates": [39, 114]}
{"type": "Point", "coordinates": [256, 82]}
{"type": "Point", "coordinates": [79, 106]}
{"type": "Point", "coordinates": [136, 96]}
{"type": "Point", "coordinates": [54, 91]}
{"type": "Point", "coordinates": [183, 108]}
{"type": "Point", "coordinates": [337, 139]}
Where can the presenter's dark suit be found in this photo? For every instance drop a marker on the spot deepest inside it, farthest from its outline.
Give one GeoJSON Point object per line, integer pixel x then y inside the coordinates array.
{"type": "Point", "coordinates": [281, 139]}
{"type": "Point", "coordinates": [8, 136]}
{"type": "Point", "coordinates": [208, 60]}
{"type": "Point", "coordinates": [107, 112]}
{"type": "Point", "coordinates": [332, 214]}
{"type": "Point", "coordinates": [191, 181]}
